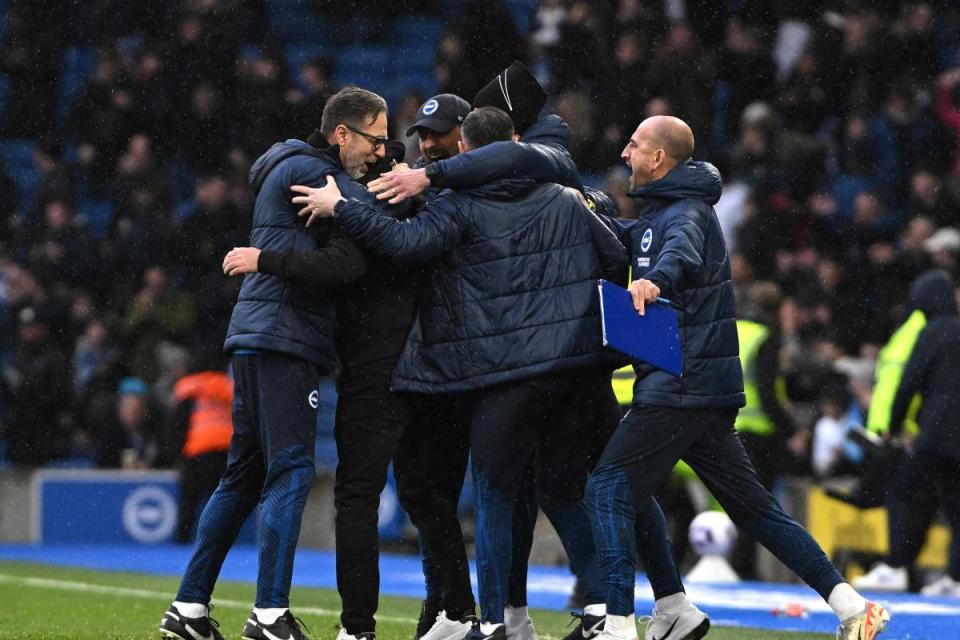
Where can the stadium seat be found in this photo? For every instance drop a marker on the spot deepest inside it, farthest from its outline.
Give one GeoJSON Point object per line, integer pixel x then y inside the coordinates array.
{"type": "Point", "coordinates": [98, 215]}
{"type": "Point", "coordinates": [17, 157]}
{"type": "Point", "coordinates": [293, 24]}
{"type": "Point", "coordinates": [416, 31]}
{"type": "Point", "coordinates": [522, 11]}
{"type": "Point", "coordinates": [78, 64]}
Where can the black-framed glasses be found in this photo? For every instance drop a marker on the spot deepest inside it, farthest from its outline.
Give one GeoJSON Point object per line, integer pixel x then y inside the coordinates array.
{"type": "Point", "coordinates": [378, 141]}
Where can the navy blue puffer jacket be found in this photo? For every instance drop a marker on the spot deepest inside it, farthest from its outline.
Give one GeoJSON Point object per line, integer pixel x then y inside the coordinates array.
{"type": "Point", "coordinates": [676, 242]}
{"type": "Point", "coordinates": [513, 289]}
{"type": "Point", "coordinates": [270, 314]}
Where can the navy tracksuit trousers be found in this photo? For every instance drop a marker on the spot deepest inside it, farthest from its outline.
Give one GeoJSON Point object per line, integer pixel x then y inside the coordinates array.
{"type": "Point", "coordinates": [639, 458]}
{"type": "Point", "coordinates": [270, 463]}
{"type": "Point", "coordinates": [552, 420]}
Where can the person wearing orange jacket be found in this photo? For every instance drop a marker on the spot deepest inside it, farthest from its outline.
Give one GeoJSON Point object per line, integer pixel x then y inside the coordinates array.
{"type": "Point", "coordinates": [201, 428]}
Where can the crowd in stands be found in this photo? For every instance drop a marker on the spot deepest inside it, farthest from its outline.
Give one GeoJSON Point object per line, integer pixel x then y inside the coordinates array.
{"type": "Point", "coordinates": [128, 130]}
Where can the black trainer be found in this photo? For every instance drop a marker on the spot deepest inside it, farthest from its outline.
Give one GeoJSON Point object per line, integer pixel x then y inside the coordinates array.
{"type": "Point", "coordinates": [500, 633]}
{"type": "Point", "coordinates": [428, 617]}
{"type": "Point", "coordinates": [285, 628]}
{"type": "Point", "coordinates": [589, 627]}
{"type": "Point", "coordinates": [176, 626]}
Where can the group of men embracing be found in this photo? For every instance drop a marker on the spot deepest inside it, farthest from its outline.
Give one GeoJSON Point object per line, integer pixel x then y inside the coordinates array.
{"type": "Point", "coordinates": [457, 302]}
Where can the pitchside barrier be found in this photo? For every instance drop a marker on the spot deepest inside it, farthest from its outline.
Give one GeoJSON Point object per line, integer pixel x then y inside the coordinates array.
{"type": "Point", "coordinates": [856, 538]}
{"type": "Point", "coordinates": [85, 506]}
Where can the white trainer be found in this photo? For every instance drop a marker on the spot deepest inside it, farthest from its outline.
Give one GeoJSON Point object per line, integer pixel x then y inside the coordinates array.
{"type": "Point", "coordinates": [688, 624]}
{"type": "Point", "coordinates": [944, 587]}
{"type": "Point", "coordinates": [446, 629]}
{"type": "Point", "coordinates": [883, 577]}
{"type": "Point", "coordinates": [522, 630]}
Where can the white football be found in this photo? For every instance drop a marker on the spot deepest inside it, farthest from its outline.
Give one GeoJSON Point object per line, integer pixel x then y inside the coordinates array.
{"type": "Point", "coordinates": [712, 533]}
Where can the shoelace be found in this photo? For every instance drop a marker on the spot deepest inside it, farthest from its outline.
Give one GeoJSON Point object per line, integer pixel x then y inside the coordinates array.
{"type": "Point", "coordinates": [308, 635]}
{"type": "Point", "coordinates": [213, 621]}
{"type": "Point", "coordinates": [574, 616]}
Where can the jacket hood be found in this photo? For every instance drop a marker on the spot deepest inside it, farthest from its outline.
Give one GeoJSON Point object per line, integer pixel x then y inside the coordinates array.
{"type": "Point", "coordinates": [506, 189]}
{"type": "Point", "coordinates": [278, 153]}
{"type": "Point", "coordinates": [932, 293]}
{"type": "Point", "coordinates": [690, 179]}
{"type": "Point", "coordinates": [551, 130]}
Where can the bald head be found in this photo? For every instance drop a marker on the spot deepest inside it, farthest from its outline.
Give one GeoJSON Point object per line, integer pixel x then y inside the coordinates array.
{"type": "Point", "coordinates": [672, 134]}
{"type": "Point", "coordinates": [658, 145]}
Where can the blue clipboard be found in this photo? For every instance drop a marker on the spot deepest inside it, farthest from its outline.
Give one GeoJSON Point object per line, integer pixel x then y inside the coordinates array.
{"type": "Point", "coordinates": [653, 338]}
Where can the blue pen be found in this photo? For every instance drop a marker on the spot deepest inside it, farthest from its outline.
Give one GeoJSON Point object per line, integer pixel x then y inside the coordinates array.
{"type": "Point", "coordinates": [664, 301]}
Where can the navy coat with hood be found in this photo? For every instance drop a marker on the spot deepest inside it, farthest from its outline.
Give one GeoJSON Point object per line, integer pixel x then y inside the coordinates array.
{"type": "Point", "coordinates": [513, 289]}
{"type": "Point", "coordinates": [271, 314]}
{"type": "Point", "coordinates": [676, 243]}
{"type": "Point", "coordinates": [933, 369]}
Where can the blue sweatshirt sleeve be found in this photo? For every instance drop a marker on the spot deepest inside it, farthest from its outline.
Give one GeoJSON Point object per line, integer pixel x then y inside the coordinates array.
{"type": "Point", "coordinates": [422, 238]}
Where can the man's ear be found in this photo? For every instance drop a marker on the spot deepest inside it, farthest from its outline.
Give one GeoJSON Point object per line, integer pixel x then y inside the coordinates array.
{"type": "Point", "coordinates": [340, 134]}
{"type": "Point", "coordinates": [462, 147]}
{"type": "Point", "coordinates": [516, 137]}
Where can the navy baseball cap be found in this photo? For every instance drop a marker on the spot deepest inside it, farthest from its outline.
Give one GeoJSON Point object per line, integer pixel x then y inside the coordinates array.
{"type": "Point", "coordinates": [440, 113]}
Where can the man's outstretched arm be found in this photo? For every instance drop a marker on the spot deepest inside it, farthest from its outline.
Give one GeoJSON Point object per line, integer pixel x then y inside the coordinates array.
{"type": "Point", "coordinates": [421, 238]}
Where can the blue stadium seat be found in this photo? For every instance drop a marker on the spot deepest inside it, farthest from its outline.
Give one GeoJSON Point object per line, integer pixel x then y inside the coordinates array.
{"type": "Point", "coordinates": [291, 24]}
{"type": "Point", "coordinates": [369, 67]}
{"type": "Point", "coordinates": [416, 31]}
{"type": "Point", "coordinates": [4, 95]}
{"type": "Point", "coordinates": [78, 64]}
{"type": "Point", "coordinates": [522, 11]}
{"type": "Point", "coordinates": [98, 215]}
{"type": "Point", "coordinates": [17, 157]}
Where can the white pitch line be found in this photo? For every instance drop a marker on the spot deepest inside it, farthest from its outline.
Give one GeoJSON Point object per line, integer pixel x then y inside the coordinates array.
{"type": "Point", "coordinates": [127, 592]}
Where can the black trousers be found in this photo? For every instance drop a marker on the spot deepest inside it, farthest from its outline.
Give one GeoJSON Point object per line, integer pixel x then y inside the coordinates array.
{"type": "Point", "coordinates": [923, 483]}
{"type": "Point", "coordinates": [374, 427]}
{"type": "Point", "coordinates": [199, 477]}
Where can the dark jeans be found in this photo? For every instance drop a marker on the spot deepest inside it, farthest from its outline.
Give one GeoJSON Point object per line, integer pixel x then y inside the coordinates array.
{"type": "Point", "coordinates": [510, 425]}
{"type": "Point", "coordinates": [199, 476]}
{"type": "Point", "coordinates": [374, 427]}
{"type": "Point", "coordinates": [639, 458]}
{"type": "Point", "coordinates": [923, 483]}
{"type": "Point", "coordinates": [271, 463]}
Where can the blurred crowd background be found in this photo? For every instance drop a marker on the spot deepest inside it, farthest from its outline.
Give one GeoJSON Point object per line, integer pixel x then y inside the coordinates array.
{"type": "Point", "coordinates": [128, 130]}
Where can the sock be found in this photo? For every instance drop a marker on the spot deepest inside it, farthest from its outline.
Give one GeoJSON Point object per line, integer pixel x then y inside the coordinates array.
{"type": "Point", "coordinates": [672, 603]}
{"type": "Point", "coordinates": [487, 628]}
{"type": "Point", "coordinates": [269, 616]}
{"type": "Point", "coordinates": [846, 602]}
{"type": "Point", "coordinates": [192, 609]}
{"type": "Point", "coordinates": [515, 616]}
{"type": "Point", "coordinates": [621, 627]}
{"type": "Point", "coordinates": [595, 610]}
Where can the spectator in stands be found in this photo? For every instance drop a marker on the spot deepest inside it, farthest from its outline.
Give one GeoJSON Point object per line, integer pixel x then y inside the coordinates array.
{"type": "Point", "coordinates": [95, 353]}
{"type": "Point", "coordinates": [198, 433]}
{"type": "Point", "coordinates": [156, 314]}
{"type": "Point", "coordinates": [944, 249]}
{"type": "Point", "coordinates": [929, 477]}
{"type": "Point", "coordinates": [128, 439]}
{"type": "Point", "coordinates": [37, 379]}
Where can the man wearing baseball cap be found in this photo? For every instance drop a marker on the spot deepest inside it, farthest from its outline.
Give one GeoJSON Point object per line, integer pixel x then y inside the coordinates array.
{"type": "Point", "coordinates": [438, 126]}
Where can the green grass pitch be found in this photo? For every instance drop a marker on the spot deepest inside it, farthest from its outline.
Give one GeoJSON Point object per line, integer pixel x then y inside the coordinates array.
{"type": "Point", "coordinates": [43, 602]}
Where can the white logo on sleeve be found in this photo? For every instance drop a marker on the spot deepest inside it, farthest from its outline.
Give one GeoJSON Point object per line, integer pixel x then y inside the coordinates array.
{"type": "Point", "coordinates": [646, 240]}
{"type": "Point", "coordinates": [314, 399]}
{"type": "Point", "coordinates": [430, 108]}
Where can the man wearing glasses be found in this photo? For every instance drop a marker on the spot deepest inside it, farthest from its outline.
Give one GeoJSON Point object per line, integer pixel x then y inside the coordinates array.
{"type": "Point", "coordinates": [282, 339]}
{"type": "Point", "coordinates": [374, 314]}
